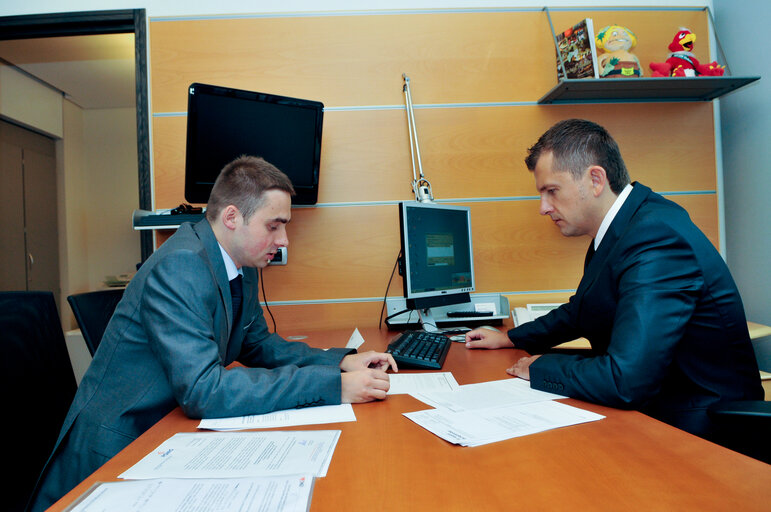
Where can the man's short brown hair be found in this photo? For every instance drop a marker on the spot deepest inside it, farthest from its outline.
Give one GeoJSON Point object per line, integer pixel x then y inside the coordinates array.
{"type": "Point", "coordinates": [243, 183]}
{"type": "Point", "coordinates": [576, 145]}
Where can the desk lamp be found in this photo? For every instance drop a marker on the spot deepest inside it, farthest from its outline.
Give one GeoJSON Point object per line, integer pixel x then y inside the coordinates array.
{"type": "Point", "coordinates": [420, 185]}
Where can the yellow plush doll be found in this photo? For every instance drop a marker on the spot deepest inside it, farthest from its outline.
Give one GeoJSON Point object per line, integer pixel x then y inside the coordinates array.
{"type": "Point", "coordinates": [617, 61]}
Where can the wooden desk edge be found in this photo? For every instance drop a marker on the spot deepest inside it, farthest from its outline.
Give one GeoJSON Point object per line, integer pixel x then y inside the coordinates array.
{"type": "Point", "coordinates": [758, 330]}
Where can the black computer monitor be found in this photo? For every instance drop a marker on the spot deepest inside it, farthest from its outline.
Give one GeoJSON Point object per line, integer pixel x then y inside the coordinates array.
{"type": "Point", "coordinates": [225, 123]}
{"type": "Point", "coordinates": [437, 258]}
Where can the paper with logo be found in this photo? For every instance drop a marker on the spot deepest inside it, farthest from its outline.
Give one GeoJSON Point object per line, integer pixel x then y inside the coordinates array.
{"type": "Point", "coordinates": [275, 493]}
{"type": "Point", "coordinates": [238, 454]}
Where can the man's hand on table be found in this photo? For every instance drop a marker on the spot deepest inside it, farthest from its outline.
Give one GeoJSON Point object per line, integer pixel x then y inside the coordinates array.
{"type": "Point", "coordinates": [364, 376]}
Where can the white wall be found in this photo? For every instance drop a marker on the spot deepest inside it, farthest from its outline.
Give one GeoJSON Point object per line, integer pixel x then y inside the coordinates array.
{"type": "Point", "coordinates": [30, 102]}
{"type": "Point", "coordinates": [746, 132]}
{"type": "Point", "coordinates": [73, 217]}
{"type": "Point", "coordinates": [112, 189]}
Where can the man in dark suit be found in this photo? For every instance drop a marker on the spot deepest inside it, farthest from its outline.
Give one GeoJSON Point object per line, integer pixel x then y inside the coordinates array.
{"type": "Point", "coordinates": [191, 310]}
{"type": "Point", "coordinates": [657, 302]}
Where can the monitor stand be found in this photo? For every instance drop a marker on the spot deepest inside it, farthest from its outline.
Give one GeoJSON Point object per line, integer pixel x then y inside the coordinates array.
{"type": "Point", "coordinates": [427, 321]}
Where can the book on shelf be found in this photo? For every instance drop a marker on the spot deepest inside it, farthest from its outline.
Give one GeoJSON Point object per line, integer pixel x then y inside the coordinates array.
{"type": "Point", "coordinates": [578, 52]}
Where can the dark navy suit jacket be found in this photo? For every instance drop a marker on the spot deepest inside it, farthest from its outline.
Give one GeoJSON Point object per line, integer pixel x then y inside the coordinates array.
{"type": "Point", "coordinates": [664, 318]}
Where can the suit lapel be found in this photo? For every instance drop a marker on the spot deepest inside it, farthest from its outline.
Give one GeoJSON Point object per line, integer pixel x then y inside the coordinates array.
{"type": "Point", "coordinates": [212, 248]}
{"type": "Point", "coordinates": [589, 254]}
{"type": "Point", "coordinates": [594, 264]}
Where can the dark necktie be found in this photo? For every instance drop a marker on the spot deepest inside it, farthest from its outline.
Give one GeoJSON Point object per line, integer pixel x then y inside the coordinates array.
{"type": "Point", "coordinates": [236, 294]}
{"type": "Point", "coordinates": [589, 254]}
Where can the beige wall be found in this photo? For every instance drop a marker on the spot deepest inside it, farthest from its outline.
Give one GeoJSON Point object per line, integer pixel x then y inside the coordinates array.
{"type": "Point", "coordinates": [96, 181]}
{"type": "Point", "coordinates": [110, 158]}
{"type": "Point", "coordinates": [30, 102]}
{"type": "Point", "coordinates": [98, 191]}
{"type": "Point", "coordinates": [73, 253]}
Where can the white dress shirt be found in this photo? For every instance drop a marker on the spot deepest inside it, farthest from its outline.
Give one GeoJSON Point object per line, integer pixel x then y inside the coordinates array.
{"type": "Point", "coordinates": [617, 204]}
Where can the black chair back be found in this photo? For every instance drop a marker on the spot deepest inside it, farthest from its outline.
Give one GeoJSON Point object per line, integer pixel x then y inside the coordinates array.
{"type": "Point", "coordinates": [93, 311]}
{"type": "Point", "coordinates": [38, 387]}
{"type": "Point", "coordinates": [744, 426]}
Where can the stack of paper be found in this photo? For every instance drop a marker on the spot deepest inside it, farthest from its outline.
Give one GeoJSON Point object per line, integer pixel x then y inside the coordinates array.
{"type": "Point", "coordinates": [478, 414]}
{"type": "Point", "coordinates": [285, 418]}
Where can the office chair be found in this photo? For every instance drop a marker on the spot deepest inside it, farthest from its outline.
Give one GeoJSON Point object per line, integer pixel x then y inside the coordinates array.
{"type": "Point", "coordinates": [744, 426]}
{"type": "Point", "coordinates": [38, 387]}
{"type": "Point", "coordinates": [93, 311]}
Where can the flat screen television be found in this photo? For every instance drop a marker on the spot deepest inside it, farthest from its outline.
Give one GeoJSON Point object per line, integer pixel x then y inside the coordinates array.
{"type": "Point", "coordinates": [225, 123]}
{"type": "Point", "coordinates": [437, 256]}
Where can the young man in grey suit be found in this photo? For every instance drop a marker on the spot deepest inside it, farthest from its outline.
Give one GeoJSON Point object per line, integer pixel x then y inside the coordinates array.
{"type": "Point", "coordinates": [183, 319]}
{"type": "Point", "coordinates": [657, 302]}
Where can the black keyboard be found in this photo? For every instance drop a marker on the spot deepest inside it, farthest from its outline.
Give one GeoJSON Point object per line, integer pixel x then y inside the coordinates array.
{"type": "Point", "coordinates": [420, 349]}
{"type": "Point", "coordinates": [468, 314]}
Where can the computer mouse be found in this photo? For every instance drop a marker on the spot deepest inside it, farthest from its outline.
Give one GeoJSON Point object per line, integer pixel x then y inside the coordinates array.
{"type": "Point", "coordinates": [489, 327]}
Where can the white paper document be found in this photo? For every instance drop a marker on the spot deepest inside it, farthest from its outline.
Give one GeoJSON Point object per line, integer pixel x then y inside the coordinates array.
{"type": "Point", "coordinates": [539, 310]}
{"type": "Point", "coordinates": [483, 426]}
{"type": "Point", "coordinates": [286, 418]}
{"type": "Point", "coordinates": [281, 494]}
{"type": "Point", "coordinates": [482, 307]}
{"type": "Point", "coordinates": [531, 312]}
{"type": "Point", "coordinates": [238, 454]}
{"type": "Point", "coordinates": [484, 394]}
{"type": "Point", "coordinates": [356, 339]}
{"type": "Point", "coordinates": [412, 383]}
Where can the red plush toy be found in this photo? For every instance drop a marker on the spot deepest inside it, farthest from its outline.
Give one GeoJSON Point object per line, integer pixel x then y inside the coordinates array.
{"type": "Point", "coordinates": [681, 61]}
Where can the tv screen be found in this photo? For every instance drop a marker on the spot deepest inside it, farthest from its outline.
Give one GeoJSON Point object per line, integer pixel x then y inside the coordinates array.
{"type": "Point", "coordinates": [225, 123]}
{"type": "Point", "coordinates": [438, 257]}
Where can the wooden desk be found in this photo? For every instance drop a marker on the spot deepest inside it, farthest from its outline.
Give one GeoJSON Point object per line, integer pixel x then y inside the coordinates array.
{"type": "Point", "coordinates": [758, 330]}
{"type": "Point", "coordinates": [384, 461]}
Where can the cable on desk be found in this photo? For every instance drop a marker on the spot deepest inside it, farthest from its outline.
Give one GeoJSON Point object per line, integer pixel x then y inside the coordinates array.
{"type": "Point", "coordinates": [265, 299]}
{"type": "Point", "coordinates": [396, 263]}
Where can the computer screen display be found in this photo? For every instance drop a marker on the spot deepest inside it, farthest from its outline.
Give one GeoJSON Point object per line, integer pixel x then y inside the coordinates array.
{"type": "Point", "coordinates": [438, 260]}
{"type": "Point", "coordinates": [225, 123]}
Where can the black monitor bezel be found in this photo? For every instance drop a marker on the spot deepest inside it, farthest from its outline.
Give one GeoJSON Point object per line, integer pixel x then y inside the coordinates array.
{"type": "Point", "coordinates": [198, 192]}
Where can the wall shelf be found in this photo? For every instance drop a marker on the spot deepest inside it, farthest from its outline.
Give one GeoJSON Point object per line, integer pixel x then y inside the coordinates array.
{"type": "Point", "coordinates": [628, 90]}
{"type": "Point", "coordinates": [144, 219]}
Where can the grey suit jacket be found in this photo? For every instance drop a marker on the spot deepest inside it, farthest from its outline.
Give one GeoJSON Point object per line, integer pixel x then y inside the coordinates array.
{"type": "Point", "coordinates": [167, 344]}
{"type": "Point", "coordinates": [664, 318]}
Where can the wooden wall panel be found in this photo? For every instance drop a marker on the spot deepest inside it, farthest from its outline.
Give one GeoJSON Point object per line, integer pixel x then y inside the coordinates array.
{"type": "Point", "coordinates": [168, 158]}
{"type": "Point", "coordinates": [703, 212]}
{"type": "Point", "coordinates": [474, 152]}
{"type": "Point", "coordinates": [458, 57]}
{"type": "Point", "coordinates": [355, 60]}
{"type": "Point", "coordinates": [475, 79]}
{"type": "Point", "coordinates": [337, 253]}
{"type": "Point", "coordinates": [295, 319]}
